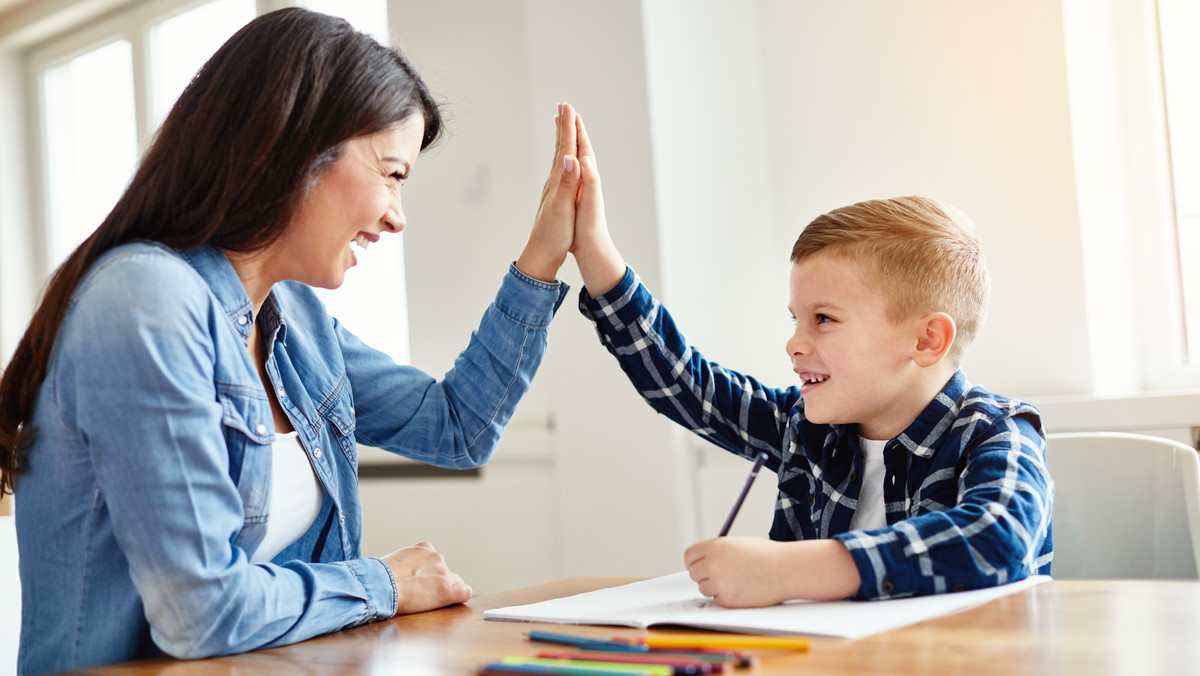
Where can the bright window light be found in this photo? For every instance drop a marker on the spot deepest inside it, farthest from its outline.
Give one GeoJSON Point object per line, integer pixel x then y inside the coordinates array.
{"type": "Point", "coordinates": [91, 142]}
{"type": "Point", "coordinates": [1179, 22]}
{"type": "Point", "coordinates": [181, 44]}
{"type": "Point", "coordinates": [372, 302]}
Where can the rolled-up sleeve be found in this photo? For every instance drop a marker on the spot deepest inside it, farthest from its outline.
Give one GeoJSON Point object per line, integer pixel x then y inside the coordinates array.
{"type": "Point", "coordinates": [992, 536]}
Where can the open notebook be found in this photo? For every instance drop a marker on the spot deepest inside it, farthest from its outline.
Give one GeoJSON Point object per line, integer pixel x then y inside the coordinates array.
{"type": "Point", "coordinates": [675, 600]}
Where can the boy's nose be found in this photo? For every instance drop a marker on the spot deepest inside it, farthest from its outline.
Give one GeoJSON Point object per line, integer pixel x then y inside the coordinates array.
{"type": "Point", "coordinates": [798, 345]}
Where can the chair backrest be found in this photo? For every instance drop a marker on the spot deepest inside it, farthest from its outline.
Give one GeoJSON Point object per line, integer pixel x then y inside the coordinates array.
{"type": "Point", "coordinates": [1125, 506]}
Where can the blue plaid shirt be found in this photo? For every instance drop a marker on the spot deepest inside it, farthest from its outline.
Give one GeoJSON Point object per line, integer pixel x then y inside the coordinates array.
{"type": "Point", "coordinates": [967, 494]}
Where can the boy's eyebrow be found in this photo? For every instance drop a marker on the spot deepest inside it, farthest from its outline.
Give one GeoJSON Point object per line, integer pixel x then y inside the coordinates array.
{"type": "Point", "coordinates": [817, 305]}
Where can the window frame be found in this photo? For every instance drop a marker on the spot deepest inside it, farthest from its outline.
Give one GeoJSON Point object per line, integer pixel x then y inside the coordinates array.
{"type": "Point", "coordinates": [132, 24]}
{"type": "Point", "coordinates": [1128, 231]}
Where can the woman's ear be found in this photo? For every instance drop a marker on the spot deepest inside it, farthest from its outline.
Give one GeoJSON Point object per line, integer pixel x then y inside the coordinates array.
{"type": "Point", "coordinates": [936, 333]}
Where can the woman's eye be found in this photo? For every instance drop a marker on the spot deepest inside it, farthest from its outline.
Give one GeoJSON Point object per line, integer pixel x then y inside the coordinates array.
{"type": "Point", "coordinates": [399, 178]}
{"type": "Point", "coordinates": [821, 319]}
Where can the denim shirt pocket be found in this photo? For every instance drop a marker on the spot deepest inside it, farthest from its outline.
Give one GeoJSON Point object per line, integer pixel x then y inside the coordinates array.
{"type": "Point", "coordinates": [247, 425]}
{"type": "Point", "coordinates": [338, 409]}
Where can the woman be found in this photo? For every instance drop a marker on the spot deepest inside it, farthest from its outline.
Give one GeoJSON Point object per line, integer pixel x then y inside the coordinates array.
{"type": "Point", "coordinates": [179, 421]}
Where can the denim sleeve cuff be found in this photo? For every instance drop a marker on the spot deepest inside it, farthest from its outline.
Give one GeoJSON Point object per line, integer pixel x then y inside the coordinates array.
{"type": "Point", "coordinates": [380, 588]}
{"type": "Point", "coordinates": [528, 300]}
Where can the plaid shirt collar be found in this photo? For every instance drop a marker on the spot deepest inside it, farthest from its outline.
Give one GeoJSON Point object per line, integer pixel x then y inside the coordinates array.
{"type": "Point", "coordinates": [926, 433]}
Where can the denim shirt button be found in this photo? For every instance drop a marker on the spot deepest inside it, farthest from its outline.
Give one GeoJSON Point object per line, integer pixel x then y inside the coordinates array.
{"type": "Point", "coordinates": [317, 452]}
{"type": "Point", "coordinates": [261, 429]}
{"type": "Point", "coordinates": [281, 393]}
{"type": "Point", "coordinates": [341, 518]}
{"type": "Point", "coordinates": [242, 320]}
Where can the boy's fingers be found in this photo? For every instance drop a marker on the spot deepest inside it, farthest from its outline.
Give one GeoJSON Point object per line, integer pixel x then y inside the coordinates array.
{"type": "Point", "coordinates": [583, 142]}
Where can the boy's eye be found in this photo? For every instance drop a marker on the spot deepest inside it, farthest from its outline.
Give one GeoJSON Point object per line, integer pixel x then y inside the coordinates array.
{"type": "Point", "coordinates": [821, 319]}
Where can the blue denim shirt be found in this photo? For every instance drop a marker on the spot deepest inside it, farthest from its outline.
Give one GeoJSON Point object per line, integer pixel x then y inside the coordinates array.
{"type": "Point", "coordinates": [150, 475]}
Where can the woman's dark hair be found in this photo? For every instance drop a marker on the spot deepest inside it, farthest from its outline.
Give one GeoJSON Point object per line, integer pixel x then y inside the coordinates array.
{"type": "Point", "coordinates": [256, 127]}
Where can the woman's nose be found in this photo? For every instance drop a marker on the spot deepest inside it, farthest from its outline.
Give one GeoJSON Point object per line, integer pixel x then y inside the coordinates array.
{"type": "Point", "coordinates": [394, 218]}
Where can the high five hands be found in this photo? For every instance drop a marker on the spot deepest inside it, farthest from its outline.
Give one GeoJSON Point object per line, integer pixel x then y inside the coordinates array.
{"type": "Point", "coordinates": [570, 217]}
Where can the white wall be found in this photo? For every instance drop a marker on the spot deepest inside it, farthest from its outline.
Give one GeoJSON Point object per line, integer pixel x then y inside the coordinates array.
{"type": "Point", "coordinates": [614, 473]}
{"type": "Point", "coordinates": [17, 287]}
{"type": "Point", "coordinates": [966, 102]}
{"type": "Point", "coordinates": [722, 129]}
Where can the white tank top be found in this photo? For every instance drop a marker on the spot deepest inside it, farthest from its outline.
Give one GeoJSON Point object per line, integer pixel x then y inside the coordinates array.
{"type": "Point", "coordinates": [870, 512]}
{"type": "Point", "coordinates": [295, 497]}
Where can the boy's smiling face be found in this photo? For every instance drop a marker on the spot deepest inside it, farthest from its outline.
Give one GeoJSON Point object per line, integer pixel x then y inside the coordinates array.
{"type": "Point", "coordinates": [855, 364]}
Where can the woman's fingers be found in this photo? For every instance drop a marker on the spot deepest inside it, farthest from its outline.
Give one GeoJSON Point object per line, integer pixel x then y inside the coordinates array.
{"type": "Point", "coordinates": [423, 581]}
{"type": "Point", "coordinates": [554, 225]}
{"type": "Point", "coordinates": [565, 139]}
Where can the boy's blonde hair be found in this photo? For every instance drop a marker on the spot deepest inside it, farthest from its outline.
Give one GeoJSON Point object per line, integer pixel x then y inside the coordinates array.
{"type": "Point", "coordinates": [922, 254]}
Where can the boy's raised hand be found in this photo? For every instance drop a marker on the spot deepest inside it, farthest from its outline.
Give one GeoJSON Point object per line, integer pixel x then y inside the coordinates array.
{"type": "Point", "coordinates": [750, 572]}
{"type": "Point", "coordinates": [600, 263]}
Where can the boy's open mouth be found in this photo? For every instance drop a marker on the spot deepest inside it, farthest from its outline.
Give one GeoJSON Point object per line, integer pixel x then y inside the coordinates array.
{"type": "Point", "coordinates": [810, 380]}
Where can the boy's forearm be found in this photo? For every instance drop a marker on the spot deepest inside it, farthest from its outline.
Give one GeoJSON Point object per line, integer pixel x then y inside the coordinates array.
{"type": "Point", "coordinates": [749, 572]}
{"type": "Point", "coordinates": [600, 263]}
{"type": "Point", "coordinates": [820, 570]}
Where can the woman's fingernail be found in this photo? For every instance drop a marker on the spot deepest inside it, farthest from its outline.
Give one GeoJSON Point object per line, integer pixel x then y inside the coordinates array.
{"type": "Point", "coordinates": [567, 166]}
{"type": "Point", "coordinates": [587, 161]}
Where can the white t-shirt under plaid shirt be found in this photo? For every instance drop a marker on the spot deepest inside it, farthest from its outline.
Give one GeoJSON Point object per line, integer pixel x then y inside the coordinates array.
{"type": "Point", "coordinates": [966, 491]}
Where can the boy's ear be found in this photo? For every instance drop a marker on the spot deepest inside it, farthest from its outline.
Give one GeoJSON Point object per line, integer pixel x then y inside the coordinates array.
{"type": "Point", "coordinates": [936, 333]}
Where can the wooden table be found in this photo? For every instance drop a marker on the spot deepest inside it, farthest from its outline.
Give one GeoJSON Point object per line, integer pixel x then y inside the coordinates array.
{"type": "Point", "coordinates": [1069, 627]}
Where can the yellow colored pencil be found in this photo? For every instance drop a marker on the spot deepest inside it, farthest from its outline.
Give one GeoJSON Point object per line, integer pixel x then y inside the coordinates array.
{"type": "Point", "coordinates": [724, 642]}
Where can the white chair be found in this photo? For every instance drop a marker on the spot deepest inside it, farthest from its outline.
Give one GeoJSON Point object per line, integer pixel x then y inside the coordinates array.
{"type": "Point", "coordinates": [1125, 506]}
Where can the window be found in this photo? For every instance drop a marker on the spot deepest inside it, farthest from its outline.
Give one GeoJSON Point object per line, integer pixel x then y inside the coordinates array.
{"type": "Point", "coordinates": [1178, 22]}
{"type": "Point", "coordinates": [100, 101]}
{"type": "Point", "coordinates": [90, 141]}
{"type": "Point", "coordinates": [371, 302]}
{"type": "Point", "coordinates": [181, 44]}
{"type": "Point", "coordinates": [1134, 123]}
{"type": "Point", "coordinates": [103, 89]}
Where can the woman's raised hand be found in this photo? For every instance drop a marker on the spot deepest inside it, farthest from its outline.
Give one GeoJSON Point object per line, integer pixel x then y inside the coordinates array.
{"type": "Point", "coordinates": [554, 227]}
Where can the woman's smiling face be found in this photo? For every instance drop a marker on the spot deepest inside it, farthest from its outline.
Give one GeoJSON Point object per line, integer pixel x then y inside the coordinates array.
{"type": "Point", "coordinates": [352, 204]}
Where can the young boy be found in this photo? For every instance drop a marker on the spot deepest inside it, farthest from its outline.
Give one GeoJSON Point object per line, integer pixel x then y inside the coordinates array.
{"type": "Point", "coordinates": [896, 477]}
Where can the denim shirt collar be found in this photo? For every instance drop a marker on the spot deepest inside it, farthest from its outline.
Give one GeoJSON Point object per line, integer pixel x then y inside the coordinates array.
{"type": "Point", "coordinates": [214, 267]}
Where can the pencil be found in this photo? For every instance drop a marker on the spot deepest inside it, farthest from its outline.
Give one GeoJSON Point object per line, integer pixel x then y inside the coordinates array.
{"type": "Point", "coordinates": [737, 505]}
{"type": "Point", "coordinates": [725, 642]}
